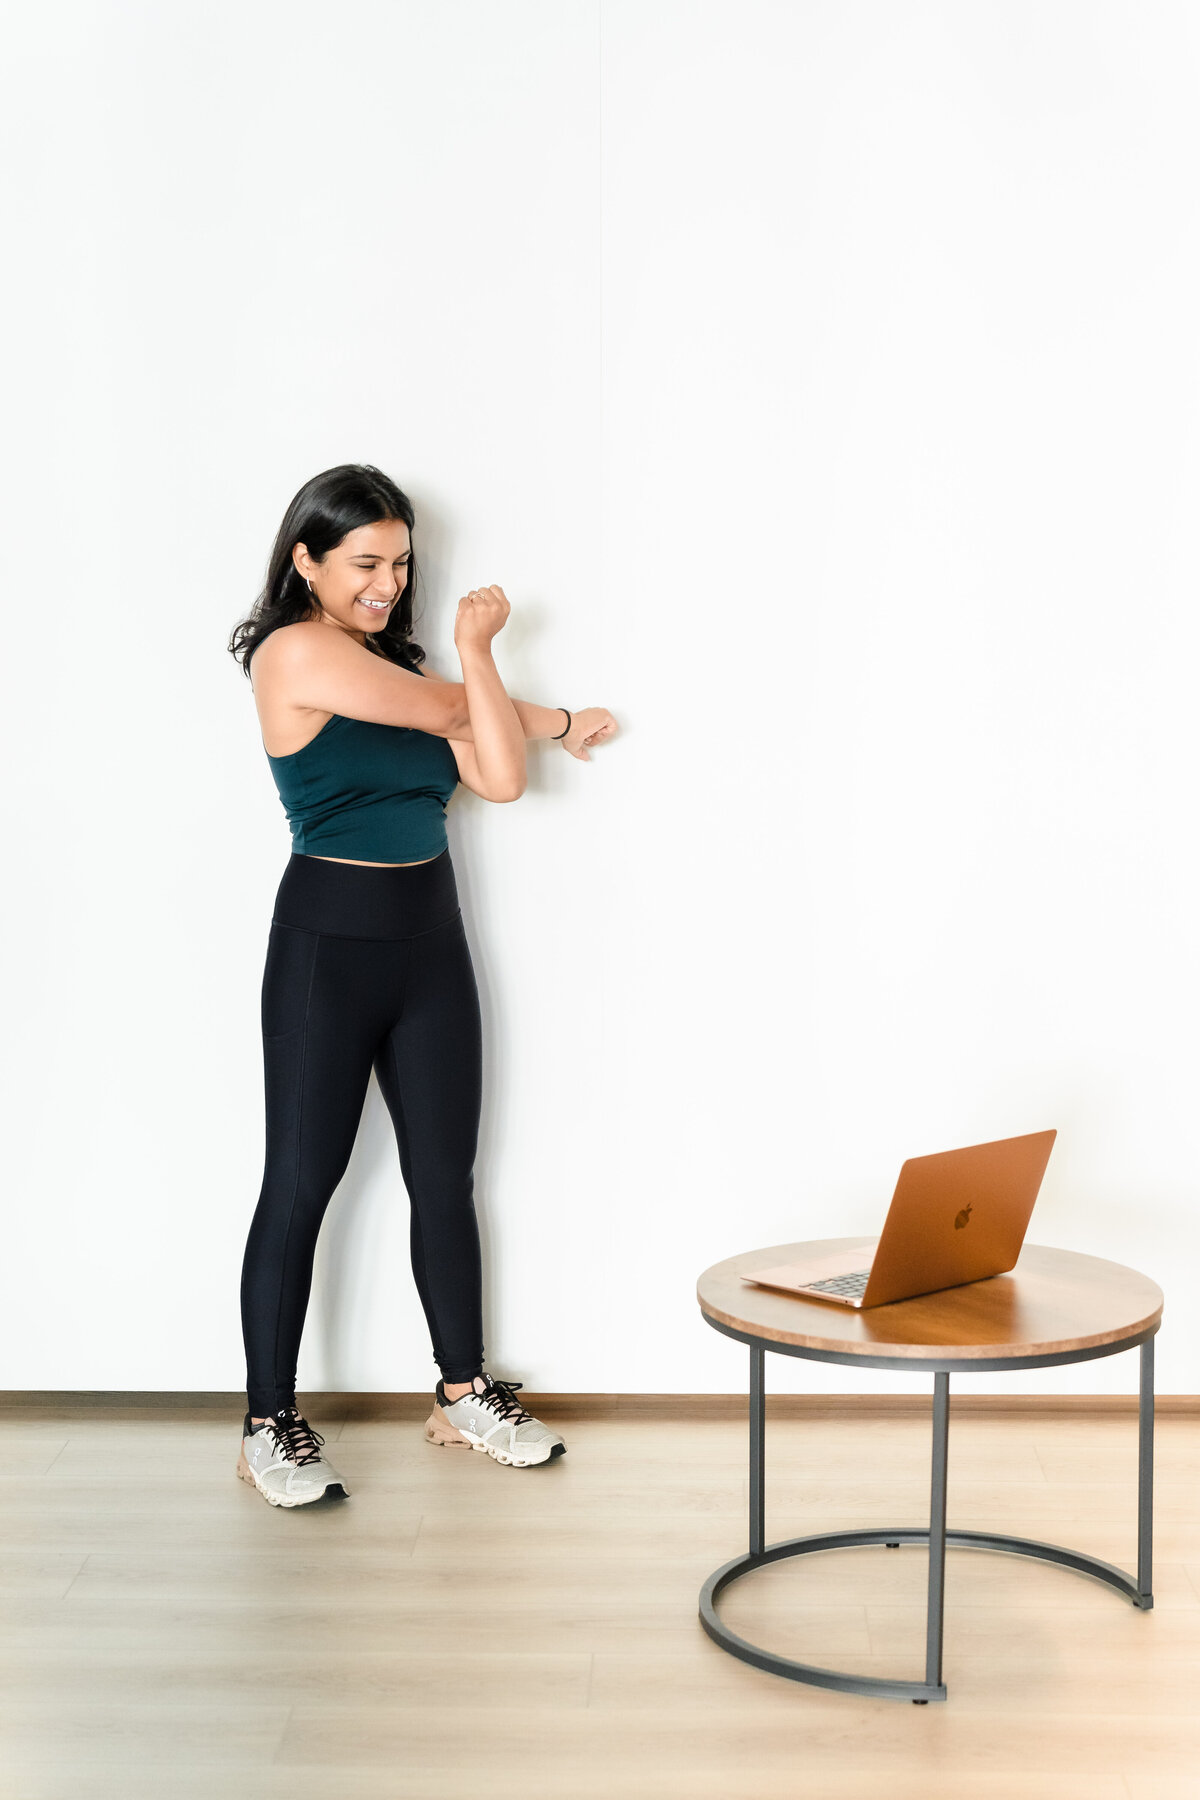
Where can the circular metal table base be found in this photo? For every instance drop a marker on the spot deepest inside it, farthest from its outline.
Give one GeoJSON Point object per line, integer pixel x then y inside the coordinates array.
{"type": "Point", "coordinates": [919, 1691]}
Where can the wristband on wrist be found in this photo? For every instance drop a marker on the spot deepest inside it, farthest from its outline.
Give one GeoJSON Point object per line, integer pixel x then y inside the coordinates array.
{"type": "Point", "coordinates": [563, 733]}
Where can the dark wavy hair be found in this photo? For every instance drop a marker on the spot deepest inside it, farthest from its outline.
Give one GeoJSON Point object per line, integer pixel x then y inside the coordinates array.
{"type": "Point", "coordinates": [324, 511]}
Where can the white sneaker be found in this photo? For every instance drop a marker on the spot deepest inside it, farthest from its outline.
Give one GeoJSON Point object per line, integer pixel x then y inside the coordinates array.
{"type": "Point", "coordinates": [282, 1459]}
{"type": "Point", "coordinates": [490, 1418]}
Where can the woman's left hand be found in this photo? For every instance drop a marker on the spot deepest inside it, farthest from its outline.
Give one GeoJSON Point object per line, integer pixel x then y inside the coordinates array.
{"type": "Point", "coordinates": [591, 726]}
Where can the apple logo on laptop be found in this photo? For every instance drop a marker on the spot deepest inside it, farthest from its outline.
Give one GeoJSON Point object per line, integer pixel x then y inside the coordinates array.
{"type": "Point", "coordinates": [964, 1217]}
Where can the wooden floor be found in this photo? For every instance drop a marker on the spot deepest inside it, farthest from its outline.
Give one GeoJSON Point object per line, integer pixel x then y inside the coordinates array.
{"type": "Point", "coordinates": [457, 1630]}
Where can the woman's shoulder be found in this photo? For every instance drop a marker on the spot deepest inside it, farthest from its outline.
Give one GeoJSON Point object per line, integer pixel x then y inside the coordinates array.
{"type": "Point", "coordinates": [286, 724]}
{"type": "Point", "coordinates": [280, 645]}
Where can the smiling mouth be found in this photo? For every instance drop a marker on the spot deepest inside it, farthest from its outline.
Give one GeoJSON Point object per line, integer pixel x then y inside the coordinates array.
{"type": "Point", "coordinates": [376, 606]}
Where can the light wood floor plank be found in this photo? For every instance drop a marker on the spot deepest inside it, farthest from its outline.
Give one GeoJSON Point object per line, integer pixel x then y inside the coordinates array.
{"type": "Point", "coordinates": [752, 1779]}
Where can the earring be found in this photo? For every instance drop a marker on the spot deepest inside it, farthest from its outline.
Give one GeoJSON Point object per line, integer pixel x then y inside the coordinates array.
{"type": "Point", "coordinates": [308, 584]}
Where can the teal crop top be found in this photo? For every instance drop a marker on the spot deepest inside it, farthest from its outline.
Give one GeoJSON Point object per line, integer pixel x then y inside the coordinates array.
{"type": "Point", "coordinates": [373, 793]}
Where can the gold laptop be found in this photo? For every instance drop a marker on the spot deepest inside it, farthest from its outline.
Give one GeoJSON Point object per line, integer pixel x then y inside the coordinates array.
{"type": "Point", "coordinates": [957, 1216]}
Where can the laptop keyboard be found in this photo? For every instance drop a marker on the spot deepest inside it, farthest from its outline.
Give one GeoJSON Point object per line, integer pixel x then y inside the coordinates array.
{"type": "Point", "coordinates": [852, 1286]}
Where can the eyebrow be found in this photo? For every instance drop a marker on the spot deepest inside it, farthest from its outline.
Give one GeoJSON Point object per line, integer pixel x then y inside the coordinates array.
{"type": "Point", "coordinates": [373, 556]}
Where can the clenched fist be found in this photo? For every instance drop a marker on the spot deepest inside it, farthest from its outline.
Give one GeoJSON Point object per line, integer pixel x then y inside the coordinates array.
{"type": "Point", "coordinates": [481, 614]}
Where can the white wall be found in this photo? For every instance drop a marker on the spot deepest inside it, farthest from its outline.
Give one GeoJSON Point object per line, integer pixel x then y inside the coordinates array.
{"type": "Point", "coordinates": [820, 381]}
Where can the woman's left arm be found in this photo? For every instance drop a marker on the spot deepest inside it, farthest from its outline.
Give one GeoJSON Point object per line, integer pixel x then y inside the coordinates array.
{"type": "Point", "coordinates": [593, 725]}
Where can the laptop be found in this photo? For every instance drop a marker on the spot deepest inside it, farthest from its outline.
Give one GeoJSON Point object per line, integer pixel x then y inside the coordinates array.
{"type": "Point", "coordinates": [955, 1217]}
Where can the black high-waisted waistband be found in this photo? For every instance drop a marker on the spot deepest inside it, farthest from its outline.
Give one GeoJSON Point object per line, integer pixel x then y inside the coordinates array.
{"type": "Point", "coordinates": [366, 900]}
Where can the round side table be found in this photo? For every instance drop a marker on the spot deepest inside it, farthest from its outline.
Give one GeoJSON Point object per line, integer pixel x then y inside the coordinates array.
{"type": "Point", "coordinates": [1055, 1307]}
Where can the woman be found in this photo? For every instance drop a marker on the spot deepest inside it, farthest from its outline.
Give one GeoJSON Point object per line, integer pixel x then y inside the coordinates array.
{"type": "Point", "coordinates": [367, 960]}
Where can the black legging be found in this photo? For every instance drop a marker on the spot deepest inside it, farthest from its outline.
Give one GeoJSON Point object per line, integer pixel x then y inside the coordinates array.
{"type": "Point", "coordinates": [366, 965]}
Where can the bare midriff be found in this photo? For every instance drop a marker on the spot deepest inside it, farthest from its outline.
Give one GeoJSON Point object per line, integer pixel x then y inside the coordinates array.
{"type": "Point", "coordinates": [360, 864]}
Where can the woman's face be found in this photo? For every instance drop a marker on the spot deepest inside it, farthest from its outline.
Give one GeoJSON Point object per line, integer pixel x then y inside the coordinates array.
{"type": "Point", "coordinates": [362, 578]}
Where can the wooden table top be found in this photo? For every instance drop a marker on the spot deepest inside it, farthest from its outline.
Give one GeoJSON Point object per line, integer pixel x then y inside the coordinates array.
{"type": "Point", "coordinates": [1052, 1303]}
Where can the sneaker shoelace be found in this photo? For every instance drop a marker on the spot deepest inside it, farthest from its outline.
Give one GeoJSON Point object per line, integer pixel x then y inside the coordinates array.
{"type": "Point", "coordinates": [501, 1399]}
{"type": "Point", "coordinates": [296, 1437]}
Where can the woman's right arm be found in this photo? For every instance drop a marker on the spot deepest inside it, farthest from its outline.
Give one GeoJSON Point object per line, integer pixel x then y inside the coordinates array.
{"type": "Point", "coordinates": [321, 667]}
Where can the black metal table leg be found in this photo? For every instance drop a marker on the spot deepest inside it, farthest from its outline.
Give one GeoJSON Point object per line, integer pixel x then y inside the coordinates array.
{"type": "Point", "coordinates": [1145, 1588]}
{"type": "Point", "coordinates": [758, 1435]}
{"type": "Point", "coordinates": [935, 1604]}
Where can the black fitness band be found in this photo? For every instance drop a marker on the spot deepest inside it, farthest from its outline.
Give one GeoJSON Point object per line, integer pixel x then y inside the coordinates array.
{"type": "Point", "coordinates": [562, 734]}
